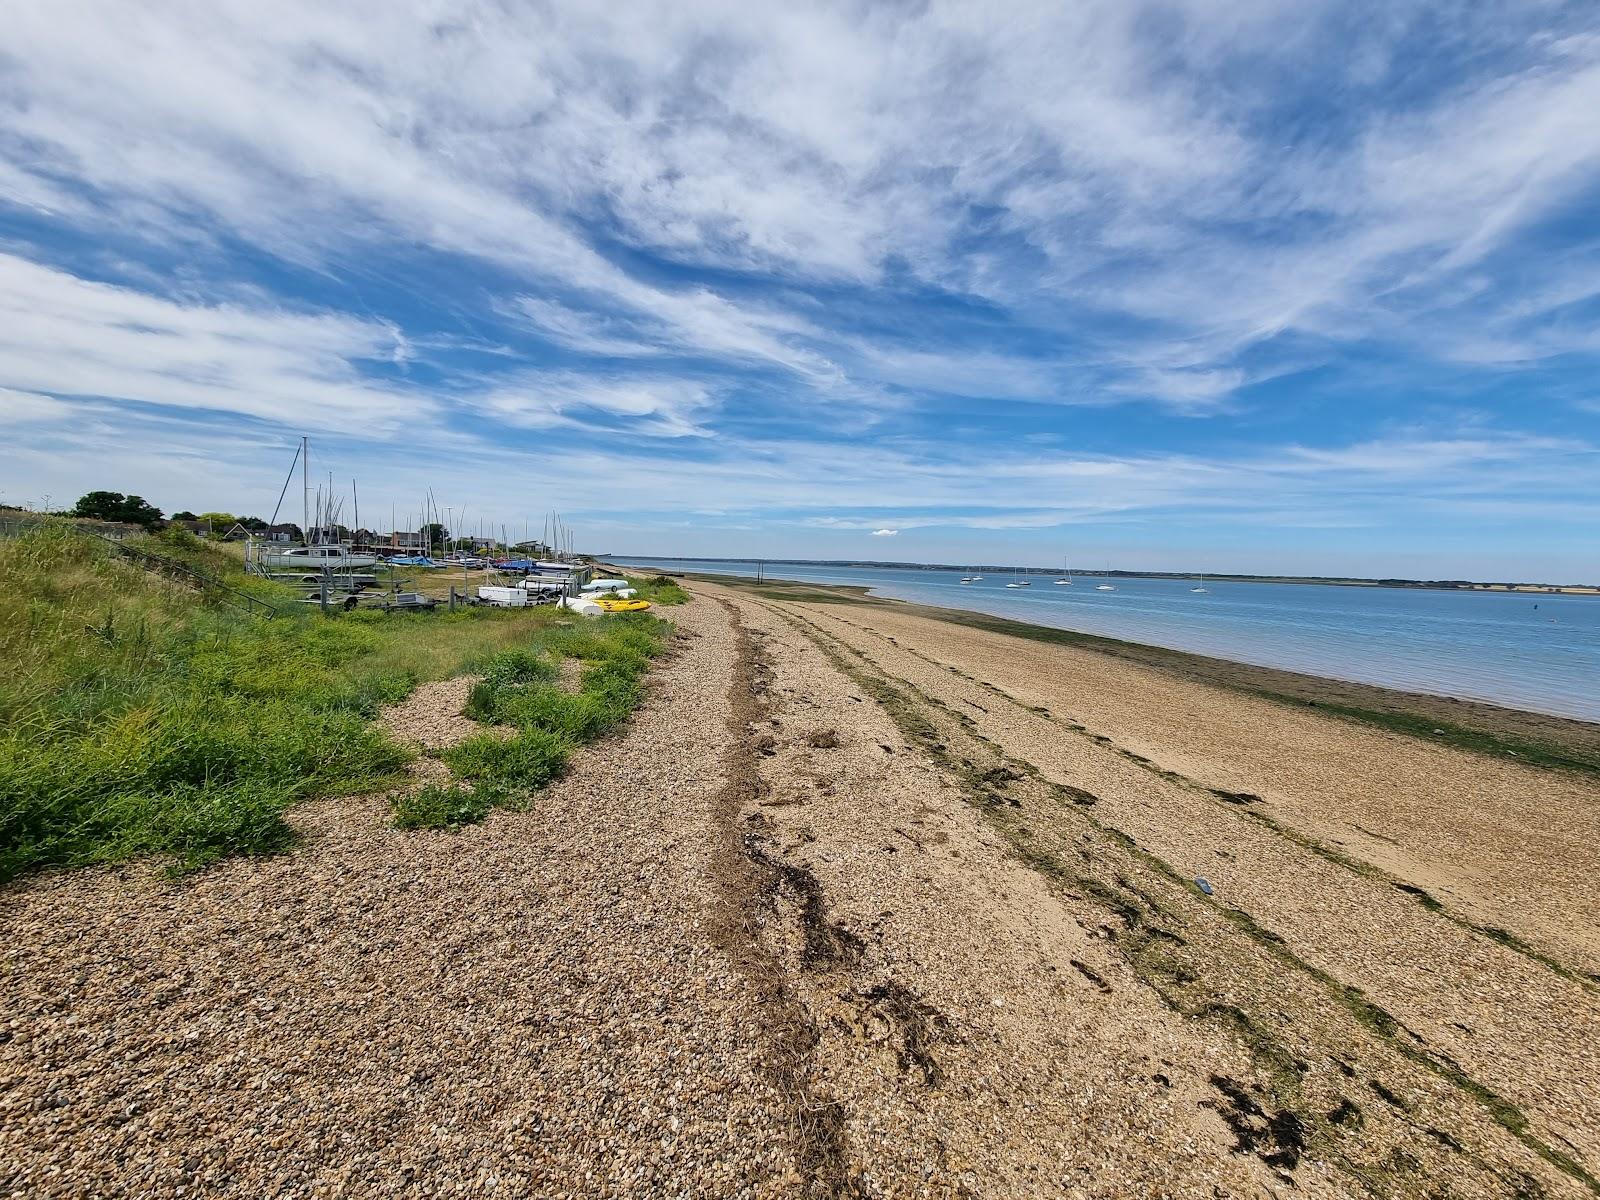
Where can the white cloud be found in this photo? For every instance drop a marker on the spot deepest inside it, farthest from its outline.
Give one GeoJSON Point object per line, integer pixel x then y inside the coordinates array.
{"type": "Point", "coordinates": [885, 532]}
{"type": "Point", "coordinates": [1108, 157]}
{"type": "Point", "coordinates": [847, 209]}
{"type": "Point", "coordinates": [650, 406]}
{"type": "Point", "coordinates": [587, 333]}
{"type": "Point", "coordinates": [63, 335]}
{"type": "Point", "coordinates": [18, 408]}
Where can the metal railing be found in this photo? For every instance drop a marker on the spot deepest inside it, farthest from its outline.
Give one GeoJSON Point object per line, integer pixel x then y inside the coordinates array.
{"type": "Point", "coordinates": [173, 569]}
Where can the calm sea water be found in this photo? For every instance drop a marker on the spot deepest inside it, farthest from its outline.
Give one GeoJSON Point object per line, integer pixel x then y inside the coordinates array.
{"type": "Point", "coordinates": [1533, 652]}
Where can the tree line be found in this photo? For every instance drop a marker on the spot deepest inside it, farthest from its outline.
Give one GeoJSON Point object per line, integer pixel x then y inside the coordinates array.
{"type": "Point", "coordinates": [136, 510]}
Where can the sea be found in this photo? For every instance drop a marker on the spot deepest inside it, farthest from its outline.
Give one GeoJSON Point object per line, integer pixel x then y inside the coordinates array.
{"type": "Point", "coordinates": [1535, 652]}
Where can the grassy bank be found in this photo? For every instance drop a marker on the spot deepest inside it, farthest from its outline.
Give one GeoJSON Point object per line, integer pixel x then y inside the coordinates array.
{"type": "Point", "coordinates": [138, 716]}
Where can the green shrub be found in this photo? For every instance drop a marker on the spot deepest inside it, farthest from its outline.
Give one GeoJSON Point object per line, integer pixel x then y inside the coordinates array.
{"type": "Point", "coordinates": [523, 664]}
{"type": "Point", "coordinates": [518, 689]}
{"type": "Point", "coordinates": [517, 685]}
{"type": "Point", "coordinates": [200, 824]}
{"type": "Point", "coordinates": [579, 717]}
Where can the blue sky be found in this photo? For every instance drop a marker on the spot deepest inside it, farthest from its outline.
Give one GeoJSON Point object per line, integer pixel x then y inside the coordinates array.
{"type": "Point", "coordinates": [1308, 287]}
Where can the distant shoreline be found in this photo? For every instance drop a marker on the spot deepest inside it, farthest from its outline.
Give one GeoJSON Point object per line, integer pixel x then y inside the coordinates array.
{"type": "Point", "coordinates": [1437, 585]}
{"type": "Point", "coordinates": [1528, 736]}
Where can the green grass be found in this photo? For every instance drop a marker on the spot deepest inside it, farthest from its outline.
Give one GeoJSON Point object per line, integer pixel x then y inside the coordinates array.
{"type": "Point", "coordinates": [527, 761]}
{"type": "Point", "coordinates": [520, 689]}
{"type": "Point", "coordinates": [139, 717]}
{"type": "Point", "coordinates": [436, 807]}
{"type": "Point", "coordinates": [658, 589]}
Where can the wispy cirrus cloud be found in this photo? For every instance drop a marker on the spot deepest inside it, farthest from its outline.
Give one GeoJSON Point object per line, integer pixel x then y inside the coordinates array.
{"type": "Point", "coordinates": [966, 150]}
{"type": "Point", "coordinates": [64, 335]}
{"type": "Point", "coordinates": [891, 254]}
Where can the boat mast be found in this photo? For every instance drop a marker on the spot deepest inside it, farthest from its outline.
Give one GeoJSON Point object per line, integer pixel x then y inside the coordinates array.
{"type": "Point", "coordinates": [305, 490]}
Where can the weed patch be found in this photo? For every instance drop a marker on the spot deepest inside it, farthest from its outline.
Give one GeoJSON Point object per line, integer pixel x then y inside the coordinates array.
{"type": "Point", "coordinates": [520, 688]}
{"type": "Point", "coordinates": [530, 760]}
{"type": "Point", "coordinates": [436, 807]}
{"type": "Point", "coordinates": [661, 589]}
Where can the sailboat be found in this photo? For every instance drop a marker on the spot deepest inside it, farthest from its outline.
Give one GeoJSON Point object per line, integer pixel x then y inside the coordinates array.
{"type": "Point", "coordinates": [1066, 574]}
{"type": "Point", "coordinates": [1200, 584]}
{"type": "Point", "coordinates": [1105, 587]}
{"type": "Point", "coordinates": [1019, 582]}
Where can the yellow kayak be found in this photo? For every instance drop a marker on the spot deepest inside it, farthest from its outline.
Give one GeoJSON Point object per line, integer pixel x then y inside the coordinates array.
{"type": "Point", "coordinates": [623, 605]}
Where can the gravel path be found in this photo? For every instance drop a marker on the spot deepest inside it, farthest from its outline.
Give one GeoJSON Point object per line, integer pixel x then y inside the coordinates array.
{"type": "Point", "coordinates": [533, 1005]}
{"type": "Point", "coordinates": [432, 717]}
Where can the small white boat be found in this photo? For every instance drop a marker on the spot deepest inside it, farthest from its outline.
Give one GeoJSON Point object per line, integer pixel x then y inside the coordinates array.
{"type": "Point", "coordinates": [1019, 583]}
{"type": "Point", "coordinates": [1066, 575]}
{"type": "Point", "coordinates": [1105, 587]}
{"type": "Point", "coordinates": [966, 579]}
{"type": "Point", "coordinates": [317, 558]}
{"type": "Point", "coordinates": [1199, 585]}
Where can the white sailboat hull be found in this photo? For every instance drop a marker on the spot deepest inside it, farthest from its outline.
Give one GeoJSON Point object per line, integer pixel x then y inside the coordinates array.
{"type": "Point", "coordinates": [316, 558]}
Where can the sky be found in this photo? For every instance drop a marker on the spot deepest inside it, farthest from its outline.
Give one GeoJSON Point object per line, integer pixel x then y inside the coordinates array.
{"type": "Point", "coordinates": [1262, 286]}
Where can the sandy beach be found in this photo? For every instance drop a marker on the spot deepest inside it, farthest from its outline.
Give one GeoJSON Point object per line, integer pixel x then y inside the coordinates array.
{"type": "Point", "coordinates": [862, 902]}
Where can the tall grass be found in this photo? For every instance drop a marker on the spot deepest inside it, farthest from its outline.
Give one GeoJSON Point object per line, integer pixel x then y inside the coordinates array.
{"type": "Point", "coordinates": [659, 589]}
{"type": "Point", "coordinates": [137, 717]}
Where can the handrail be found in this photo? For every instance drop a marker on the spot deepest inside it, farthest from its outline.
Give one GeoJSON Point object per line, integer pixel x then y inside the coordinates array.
{"type": "Point", "coordinates": [156, 562]}
{"type": "Point", "coordinates": [11, 526]}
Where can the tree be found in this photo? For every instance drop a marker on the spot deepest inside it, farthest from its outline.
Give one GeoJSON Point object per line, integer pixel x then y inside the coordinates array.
{"type": "Point", "coordinates": [435, 534]}
{"type": "Point", "coordinates": [185, 515]}
{"type": "Point", "coordinates": [222, 520]}
{"type": "Point", "coordinates": [114, 506]}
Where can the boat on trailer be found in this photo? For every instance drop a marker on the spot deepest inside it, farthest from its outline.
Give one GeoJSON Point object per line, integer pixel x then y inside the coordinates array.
{"type": "Point", "coordinates": [316, 558]}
